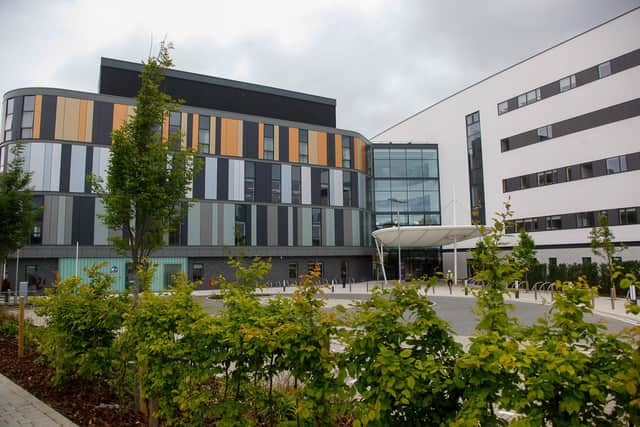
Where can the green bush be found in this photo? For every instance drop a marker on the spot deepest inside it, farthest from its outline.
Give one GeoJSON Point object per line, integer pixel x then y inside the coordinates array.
{"type": "Point", "coordinates": [83, 320]}
{"type": "Point", "coordinates": [8, 324]}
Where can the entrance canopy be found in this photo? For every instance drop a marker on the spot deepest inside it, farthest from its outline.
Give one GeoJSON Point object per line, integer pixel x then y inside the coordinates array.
{"type": "Point", "coordinates": [416, 236]}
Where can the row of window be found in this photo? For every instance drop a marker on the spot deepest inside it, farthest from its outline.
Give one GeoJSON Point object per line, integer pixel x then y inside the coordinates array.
{"type": "Point", "coordinates": [26, 127]}
{"type": "Point", "coordinates": [387, 220]}
{"type": "Point", "coordinates": [600, 71]}
{"type": "Point", "coordinates": [624, 216]}
{"type": "Point", "coordinates": [595, 168]}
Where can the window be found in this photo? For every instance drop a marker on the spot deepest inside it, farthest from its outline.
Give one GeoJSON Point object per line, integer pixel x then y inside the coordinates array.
{"type": "Point", "coordinates": [529, 97]}
{"type": "Point", "coordinates": [586, 170]}
{"type": "Point", "coordinates": [554, 222]}
{"type": "Point", "coordinates": [296, 185]}
{"type": "Point", "coordinates": [604, 69]}
{"type": "Point", "coordinates": [275, 183]}
{"type": "Point", "coordinates": [174, 236]}
{"type": "Point", "coordinates": [584, 219]}
{"type": "Point", "coordinates": [249, 181]}
{"type": "Point", "coordinates": [586, 260]}
{"type": "Point", "coordinates": [346, 152]}
{"type": "Point", "coordinates": [240, 236]}
{"type": "Point", "coordinates": [503, 107]}
{"type": "Point", "coordinates": [524, 182]}
{"type": "Point", "coordinates": [616, 164]}
{"type": "Point", "coordinates": [522, 100]}
{"type": "Point", "coordinates": [36, 235]}
{"type": "Point", "coordinates": [175, 122]}
{"type": "Point", "coordinates": [628, 216]}
{"type": "Point", "coordinates": [527, 225]}
{"type": "Point", "coordinates": [568, 174]}
{"type": "Point", "coordinates": [567, 83]}
{"type": "Point", "coordinates": [293, 270]}
{"type": "Point", "coordinates": [346, 189]}
{"type": "Point", "coordinates": [504, 185]}
{"type": "Point", "coordinates": [268, 142]}
{"type": "Point", "coordinates": [36, 232]}
{"type": "Point", "coordinates": [197, 272]}
{"type": "Point", "coordinates": [204, 123]}
{"type": "Point", "coordinates": [616, 259]}
{"type": "Point", "coordinates": [553, 262]}
{"type": "Point", "coordinates": [304, 146]}
{"type": "Point", "coordinates": [27, 116]}
{"type": "Point", "coordinates": [8, 120]}
{"type": "Point", "coordinates": [544, 133]}
{"type": "Point", "coordinates": [316, 226]}
{"type": "Point", "coordinates": [315, 266]}
{"type": "Point", "coordinates": [324, 187]}
{"type": "Point", "coordinates": [504, 144]}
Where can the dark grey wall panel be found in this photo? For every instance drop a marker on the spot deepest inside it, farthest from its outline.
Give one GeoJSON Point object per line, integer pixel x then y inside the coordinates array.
{"type": "Point", "coordinates": [283, 225]}
{"type": "Point", "coordinates": [190, 130]}
{"type": "Point", "coordinates": [250, 139]}
{"type": "Point", "coordinates": [88, 168]}
{"type": "Point", "coordinates": [339, 225]}
{"type": "Point", "coordinates": [354, 188]}
{"type": "Point", "coordinates": [83, 219]}
{"type": "Point", "coordinates": [102, 122]}
{"type": "Point", "coordinates": [284, 143]}
{"type": "Point", "coordinates": [331, 149]}
{"type": "Point", "coordinates": [198, 181]}
{"type": "Point", "coordinates": [184, 231]}
{"type": "Point", "coordinates": [550, 89]}
{"type": "Point", "coordinates": [48, 117]}
{"type": "Point", "coordinates": [633, 161]}
{"type": "Point", "coordinates": [625, 61]}
{"type": "Point", "coordinates": [586, 76]}
{"type": "Point", "coordinates": [18, 102]}
{"type": "Point", "coordinates": [315, 186]}
{"type": "Point", "coordinates": [218, 133]}
{"type": "Point", "coordinates": [65, 168]}
{"type": "Point", "coordinates": [295, 226]}
{"type": "Point", "coordinates": [223, 179]}
{"type": "Point", "coordinates": [261, 225]}
{"type": "Point", "coordinates": [263, 182]}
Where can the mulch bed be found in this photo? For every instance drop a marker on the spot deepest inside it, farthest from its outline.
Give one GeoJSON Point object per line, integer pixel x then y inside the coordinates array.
{"type": "Point", "coordinates": [81, 402]}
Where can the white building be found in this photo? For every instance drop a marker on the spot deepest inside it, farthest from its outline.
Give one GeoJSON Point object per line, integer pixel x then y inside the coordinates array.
{"type": "Point", "coordinates": [559, 134]}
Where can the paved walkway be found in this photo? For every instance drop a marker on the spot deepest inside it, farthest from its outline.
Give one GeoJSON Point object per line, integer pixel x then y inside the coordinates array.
{"type": "Point", "coordinates": [19, 408]}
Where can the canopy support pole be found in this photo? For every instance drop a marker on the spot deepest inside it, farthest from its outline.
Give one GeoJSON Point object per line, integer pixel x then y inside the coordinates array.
{"type": "Point", "coordinates": [380, 249]}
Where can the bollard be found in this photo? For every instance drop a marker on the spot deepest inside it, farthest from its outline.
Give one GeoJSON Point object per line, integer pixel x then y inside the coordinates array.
{"type": "Point", "coordinates": [535, 293]}
{"type": "Point", "coordinates": [613, 298]}
{"type": "Point", "coordinates": [21, 330]}
{"type": "Point", "coordinates": [466, 290]}
{"type": "Point", "coordinates": [333, 289]}
{"type": "Point", "coordinates": [434, 289]}
{"type": "Point", "coordinates": [349, 287]}
{"type": "Point", "coordinates": [367, 286]}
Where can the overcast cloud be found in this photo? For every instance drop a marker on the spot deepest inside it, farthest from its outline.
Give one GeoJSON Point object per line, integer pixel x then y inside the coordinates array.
{"type": "Point", "coordinates": [381, 60]}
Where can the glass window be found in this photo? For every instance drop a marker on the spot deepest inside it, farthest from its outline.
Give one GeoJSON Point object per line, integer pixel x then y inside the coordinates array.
{"type": "Point", "coordinates": [382, 185]}
{"type": "Point", "coordinates": [504, 144]}
{"type": "Point", "coordinates": [249, 181]}
{"type": "Point", "coordinates": [584, 219]}
{"type": "Point", "coordinates": [296, 185]}
{"type": "Point", "coordinates": [569, 174]}
{"type": "Point", "coordinates": [553, 261]}
{"type": "Point", "coordinates": [204, 123]}
{"type": "Point", "coordinates": [27, 117]}
{"type": "Point", "coordinates": [567, 83]}
{"type": "Point", "coordinates": [346, 152]}
{"type": "Point", "coordinates": [293, 270]}
{"type": "Point", "coordinates": [616, 164]}
{"type": "Point", "coordinates": [346, 189]}
{"type": "Point", "coordinates": [29, 103]}
{"type": "Point", "coordinates": [304, 146]}
{"type": "Point", "coordinates": [604, 69]}
{"type": "Point", "coordinates": [522, 100]}
{"type": "Point", "coordinates": [586, 260]}
{"type": "Point", "coordinates": [628, 216]}
{"type": "Point", "coordinates": [383, 221]}
{"type": "Point", "coordinates": [544, 133]}
{"type": "Point", "coordinates": [241, 237]}
{"type": "Point", "coordinates": [398, 168]}
{"type": "Point", "coordinates": [430, 168]}
{"type": "Point", "coordinates": [586, 170]}
{"type": "Point", "coordinates": [432, 219]}
{"type": "Point", "coordinates": [554, 222]}
{"type": "Point", "coordinates": [524, 182]}
{"type": "Point", "coordinates": [380, 153]}
{"type": "Point", "coordinates": [413, 153]}
{"type": "Point", "coordinates": [381, 168]}
{"type": "Point", "coordinates": [316, 226]}
{"type": "Point", "coordinates": [197, 272]}
{"type": "Point", "coordinates": [268, 142]}
{"type": "Point", "coordinates": [541, 179]}
{"type": "Point", "coordinates": [414, 167]}
{"type": "Point", "coordinates": [275, 183]}
{"type": "Point", "coordinates": [382, 201]}
{"type": "Point", "coordinates": [503, 107]}
{"type": "Point", "coordinates": [324, 187]}
{"type": "Point", "coordinates": [531, 97]}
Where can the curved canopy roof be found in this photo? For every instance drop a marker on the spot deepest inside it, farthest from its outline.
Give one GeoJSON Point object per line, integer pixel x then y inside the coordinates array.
{"type": "Point", "coordinates": [414, 236]}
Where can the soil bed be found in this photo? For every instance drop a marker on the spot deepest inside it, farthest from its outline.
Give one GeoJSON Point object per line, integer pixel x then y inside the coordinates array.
{"type": "Point", "coordinates": [83, 403]}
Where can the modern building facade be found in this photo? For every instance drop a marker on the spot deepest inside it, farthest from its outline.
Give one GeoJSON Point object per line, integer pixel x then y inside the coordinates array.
{"type": "Point", "coordinates": [556, 134]}
{"type": "Point", "coordinates": [278, 179]}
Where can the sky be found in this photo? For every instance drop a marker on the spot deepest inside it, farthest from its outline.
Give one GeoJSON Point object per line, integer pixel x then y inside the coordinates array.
{"type": "Point", "coordinates": [381, 60]}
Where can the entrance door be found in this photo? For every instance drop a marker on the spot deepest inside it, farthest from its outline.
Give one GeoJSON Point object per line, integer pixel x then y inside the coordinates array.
{"type": "Point", "coordinates": [170, 270]}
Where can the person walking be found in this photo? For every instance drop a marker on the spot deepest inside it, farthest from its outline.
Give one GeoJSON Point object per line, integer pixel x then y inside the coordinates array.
{"type": "Point", "coordinates": [450, 281]}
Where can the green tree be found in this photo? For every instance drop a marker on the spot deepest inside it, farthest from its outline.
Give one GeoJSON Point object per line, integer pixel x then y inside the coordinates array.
{"type": "Point", "coordinates": [17, 211]}
{"type": "Point", "coordinates": [603, 245]}
{"type": "Point", "coordinates": [147, 178]}
{"type": "Point", "coordinates": [525, 253]}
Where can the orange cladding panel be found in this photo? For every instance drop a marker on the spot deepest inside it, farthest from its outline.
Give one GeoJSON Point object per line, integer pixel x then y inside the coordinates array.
{"type": "Point", "coordinates": [260, 140]}
{"type": "Point", "coordinates": [120, 113]}
{"type": "Point", "coordinates": [322, 148]}
{"type": "Point", "coordinates": [294, 145]}
{"type": "Point", "coordinates": [338, 150]}
{"type": "Point", "coordinates": [37, 116]}
{"type": "Point", "coordinates": [229, 137]}
{"type": "Point", "coordinates": [194, 133]}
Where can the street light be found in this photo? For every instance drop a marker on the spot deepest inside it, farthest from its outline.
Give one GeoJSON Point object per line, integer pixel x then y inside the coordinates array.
{"type": "Point", "coordinates": [392, 200]}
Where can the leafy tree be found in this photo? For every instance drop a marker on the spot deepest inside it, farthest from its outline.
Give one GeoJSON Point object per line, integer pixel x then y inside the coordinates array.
{"type": "Point", "coordinates": [489, 370]}
{"type": "Point", "coordinates": [567, 365]}
{"type": "Point", "coordinates": [402, 358]}
{"type": "Point", "coordinates": [525, 253]}
{"type": "Point", "coordinates": [16, 205]}
{"type": "Point", "coordinates": [603, 245]}
{"type": "Point", "coordinates": [146, 181]}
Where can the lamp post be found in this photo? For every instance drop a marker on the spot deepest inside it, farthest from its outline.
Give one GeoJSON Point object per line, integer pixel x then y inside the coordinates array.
{"type": "Point", "coordinates": [392, 200]}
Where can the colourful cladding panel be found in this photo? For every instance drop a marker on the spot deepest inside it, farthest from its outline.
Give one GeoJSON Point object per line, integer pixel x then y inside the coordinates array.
{"type": "Point", "coordinates": [313, 147]}
{"type": "Point", "coordinates": [231, 137]}
{"type": "Point", "coordinates": [165, 128]}
{"type": "Point", "coordinates": [261, 140]}
{"type": "Point", "coordinates": [195, 139]}
{"type": "Point", "coordinates": [294, 145]}
{"type": "Point", "coordinates": [74, 119]}
{"type": "Point", "coordinates": [338, 151]}
{"type": "Point", "coordinates": [276, 142]}
{"type": "Point", "coordinates": [322, 148]}
{"type": "Point", "coordinates": [212, 135]}
{"type": "Point", "coordinates": [358, 154]}
{"type": "Point", "coordinates": [120, 114]}
{"type": "Point", "coordinates": [37, 116]}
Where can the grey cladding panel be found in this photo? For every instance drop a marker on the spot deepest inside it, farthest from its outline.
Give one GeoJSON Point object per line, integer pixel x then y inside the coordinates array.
{"type": "Point", "coordinates": [65, 168]}
{"type": "Point", "coordinates": [198, 181]}
{"type": "Point", "coordinates": [88, 168]}
{"type": "Point", "coordinates": [223, 179]}
{"type": "Point", "coordinates": [83, 218]}
{"type": "Point", "coordinates": [339, 224]}
{"type": "Point", "coordinates": [284, 143]}
{"type": "Point", "coordinates": [263, 182]}
{"type": "Point", "coordinates": [283, 226]}
{"type": "Point", "coordinates": [262, 226]}
{"type": "Point", "coordinates": [48, 117]}
{"type": "Point", "coordinates": [250, 139]}
{"type": "Point", "coordinates": [102, 122]}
